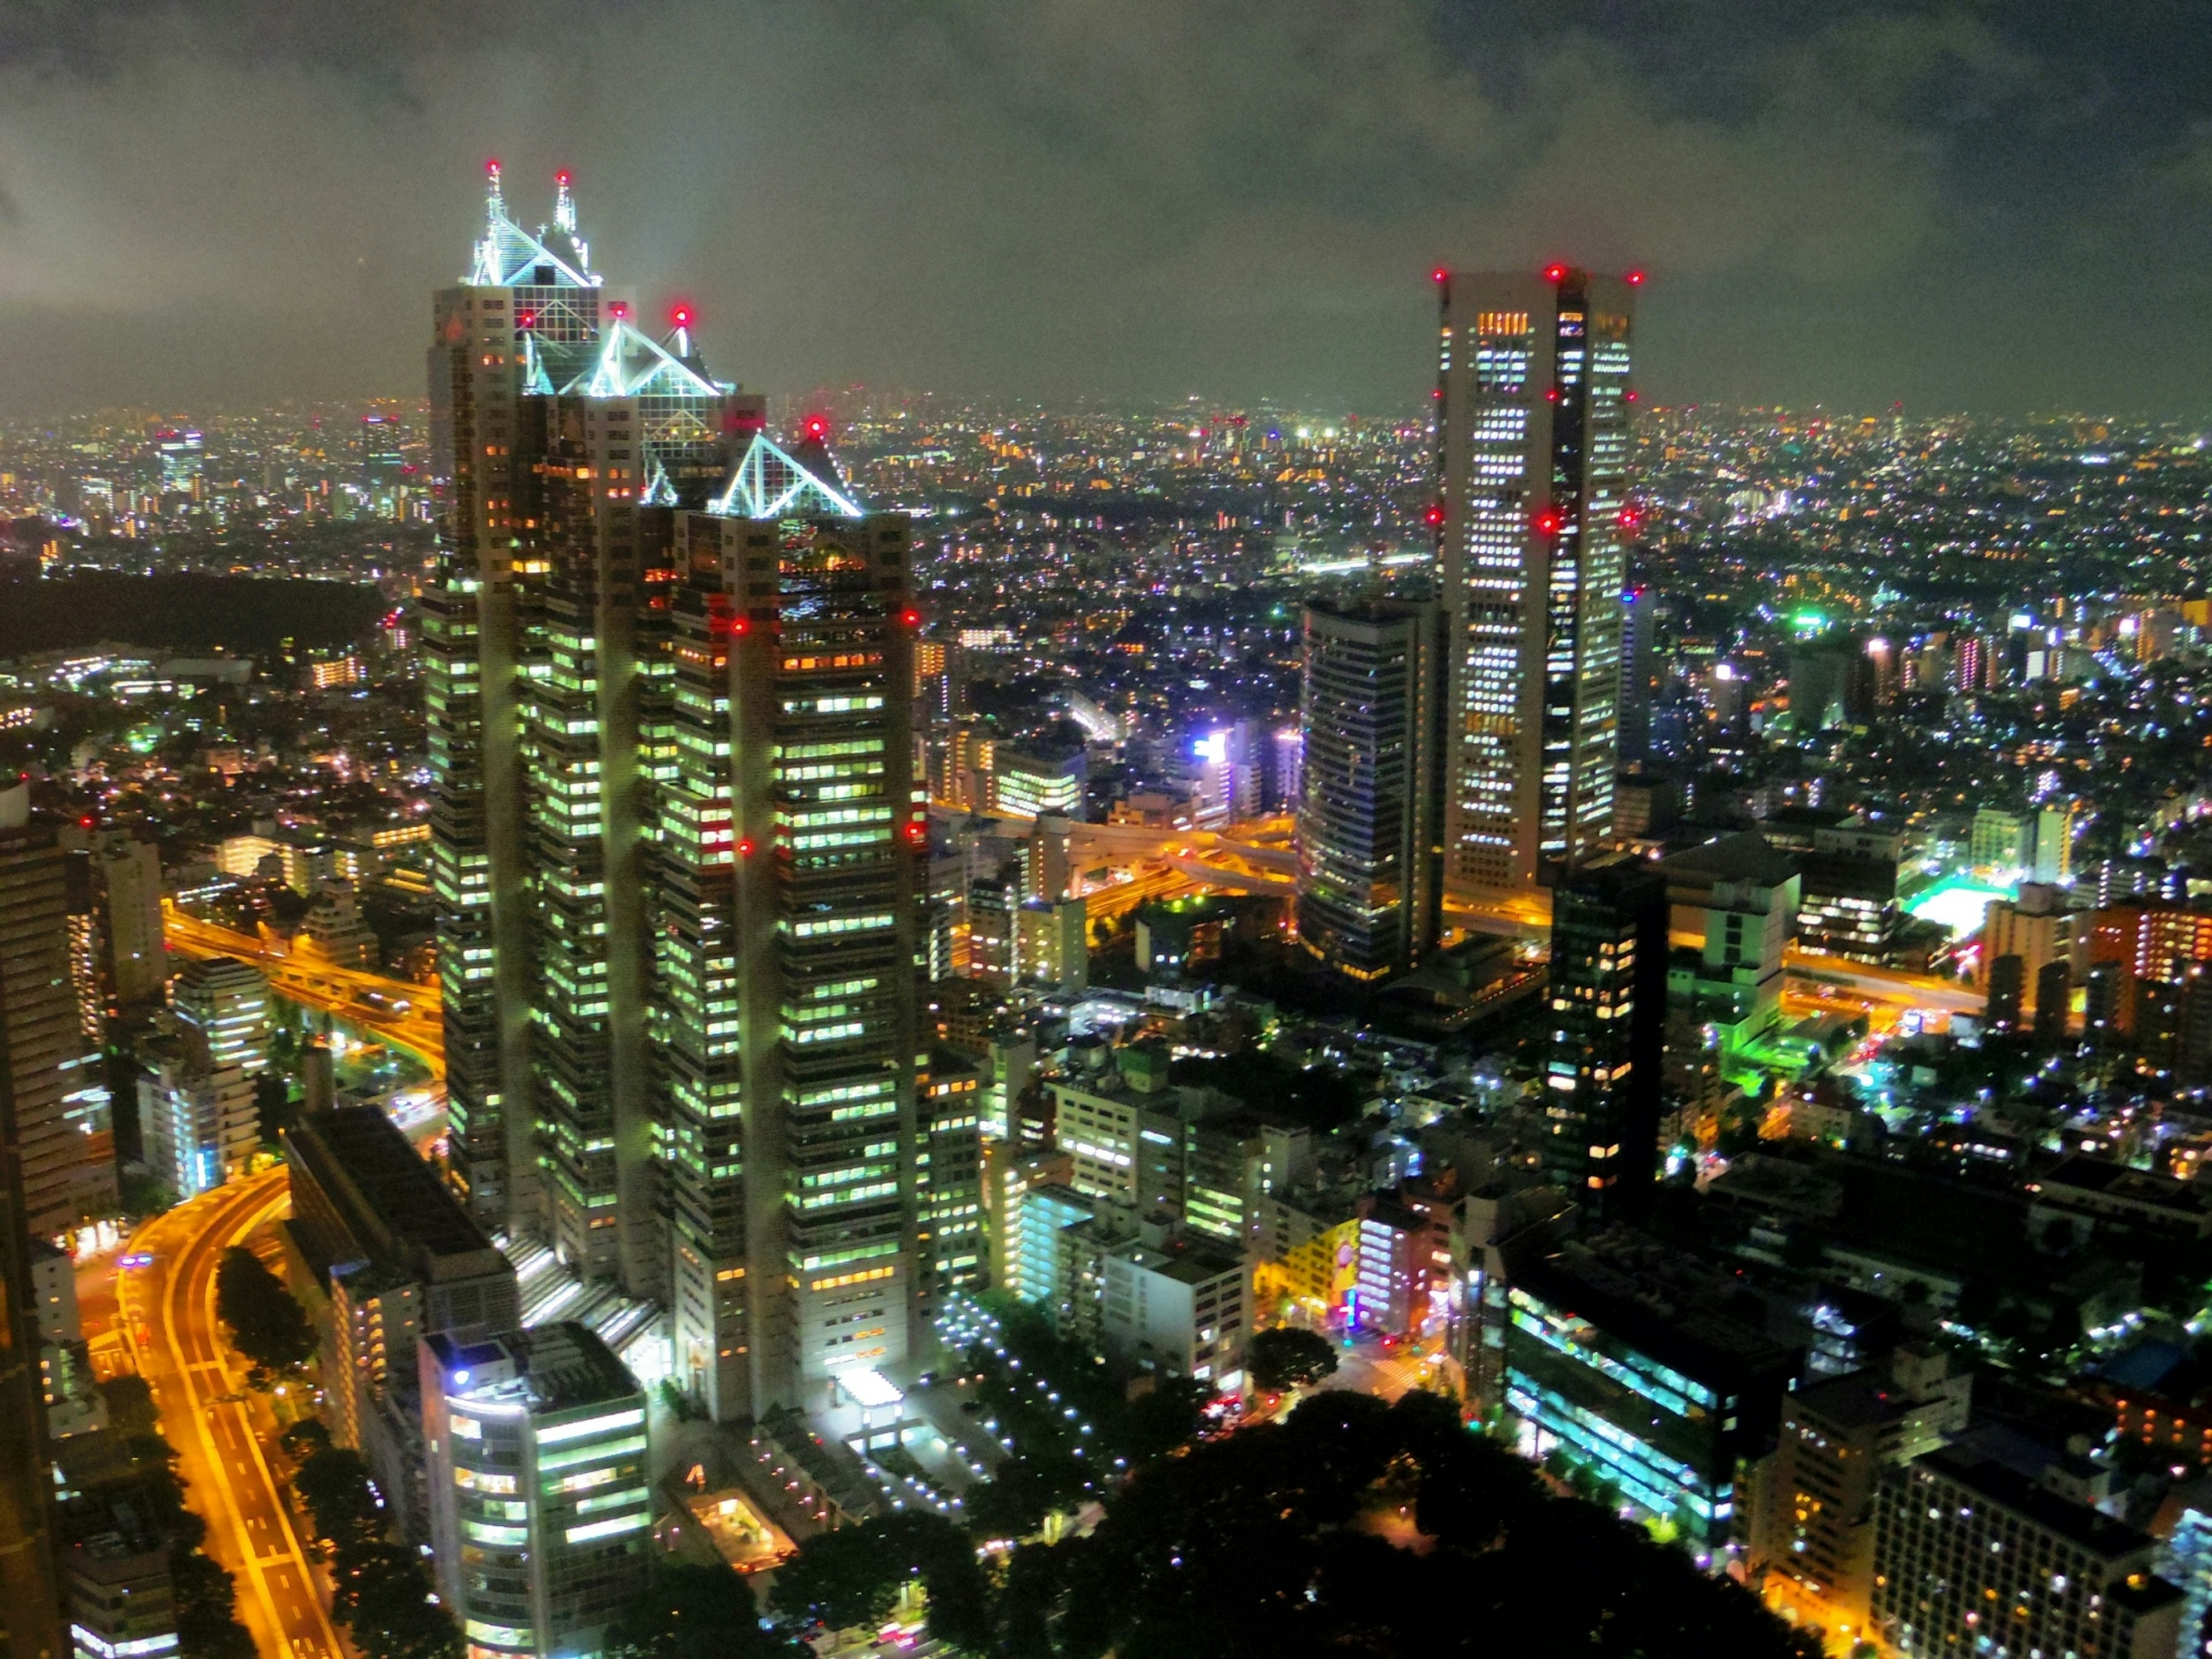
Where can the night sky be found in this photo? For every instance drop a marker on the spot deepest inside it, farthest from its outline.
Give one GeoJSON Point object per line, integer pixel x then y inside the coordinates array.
{"type": "Point", "coordinates": [2000, 207]}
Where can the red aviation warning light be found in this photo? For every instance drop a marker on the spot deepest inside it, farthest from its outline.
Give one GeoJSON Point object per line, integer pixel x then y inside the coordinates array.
{"type": "Point", "coordinates": [1555, 273]}
{"type": "Point", "coordinates": [563, 179]}
{"type": "Point", "coordinates": [1435, 515]}
{"type": "Point", "coordinates": [1630, 518]}
{"type": "Point", "coordinates": [618, 309]}
{"type": "Point", "coordinates": [1440, 275]}
{"type": "Point", "coordinates": [1634, 279]}
{"type": "Point", "coordinates": [745, 848]}
{"type": "Point", "coordinates": [1548, 521]}
{"type": "Point", "coordinates": [816, 427]}
{"type": "Point", "coordinates": [910, 619]}
{"type": "Point", "coordinates": [916, 832]}
{"type": "Point", "coordinates": [681, 316]}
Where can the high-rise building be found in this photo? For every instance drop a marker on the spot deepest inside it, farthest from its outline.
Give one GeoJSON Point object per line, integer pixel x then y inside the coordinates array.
{"type": "Point", "coordinates": [793, 843]}
{"type": "Point", "coordinates": [57, 1115]}
{"type": "Point", "coordinates": [639, 433]}
{"type": "Point", "coordinates": [538, 1495]}
{"type": "Point", "coordinates": [1608, 997]}
{"type": "Point", "coordinates": [1640, 641]}
{"type": "Point", "coordinates": [30, 1591]}
{"type": "Point", "coordinates": [526, 320]}
{"type": "Point", "coordinates": [198, 1123]}
{"type": "Point", "coordinates": [1532, 512]}
{"type": "Point", "coordinates": [1369, 830]}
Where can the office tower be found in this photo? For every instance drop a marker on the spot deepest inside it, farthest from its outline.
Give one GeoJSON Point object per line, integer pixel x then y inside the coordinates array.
{"type": "Point", "coordinates": [1639, 643]}
{"type": "Point", "coordinates": [539, 1502]}
{"type": "Point", "coordinates": [526, 319]}
{"type": "Point", "coordinates": [1369, 835]}
{"type": "Point", "coordinates": [57, 1119]}
{"type": "Point", "coordinates": [1639, 1366]}
{"type": "Point", "coordinates": [791, 866]}
{"type": "Point", "coordinates": [1966, 1546]}
{"type": "Point", "coordinates": [639, 434]}
{"type": "Point", "coordinates": [1533, 444]}
{"type": "Point", "coordinates": [1608, 994]}
{"type": "Point", "coordinates": [224, 1005]}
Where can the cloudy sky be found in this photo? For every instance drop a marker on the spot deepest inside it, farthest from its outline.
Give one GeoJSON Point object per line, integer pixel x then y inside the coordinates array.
{"type": "Point", "coordinates": [1997, 206]}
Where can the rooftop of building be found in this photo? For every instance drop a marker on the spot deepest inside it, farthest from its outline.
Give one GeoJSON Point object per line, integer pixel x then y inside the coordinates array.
{"type": "Point", "coordinates": [1742, 856]}
{"type": "Point", "coordinates": [2095, 1174]}
{"type": "Point", "coordinates": [360, 1158]}
{"type": "Point", "coordinates": [1856, 1399]}
{"type": "Point", "coordinates": [2078, 1523]}
{"type": "Point", "coordinates": [1186, 1261]}
{"type": "Point", "coordinates": [547, 1368]}
{"type": "Point", "coordinates": [1676, 1311]}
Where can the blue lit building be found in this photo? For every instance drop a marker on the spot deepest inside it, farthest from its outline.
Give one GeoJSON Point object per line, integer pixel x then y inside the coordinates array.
{"type": "Point", "coordinates": [1625, 1360]}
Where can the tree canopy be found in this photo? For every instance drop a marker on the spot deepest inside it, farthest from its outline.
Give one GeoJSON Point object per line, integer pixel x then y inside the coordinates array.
{"type": "Point", "coordinates": [266, 1324]}
{"type": "Point", "coordinates": [696, 1613]}
{"type": "Point", "coordinates": [853, 1577]}
{"type": "Point", "coordinates": [1359, 1528]}
{"type": "Point", "coordinates": [1288, 1358]}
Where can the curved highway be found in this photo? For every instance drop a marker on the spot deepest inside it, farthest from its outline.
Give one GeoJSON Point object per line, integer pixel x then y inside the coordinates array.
{"type": "Point", "coordinates": [169, 1306]}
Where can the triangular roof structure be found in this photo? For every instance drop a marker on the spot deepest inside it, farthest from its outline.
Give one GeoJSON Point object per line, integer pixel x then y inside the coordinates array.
{"type": "Point", "coordinates": [633, 364]}
{"type": "Point", "coordinates": [769, 484]}
{"type": "Point", "coordinates": [510, 257]}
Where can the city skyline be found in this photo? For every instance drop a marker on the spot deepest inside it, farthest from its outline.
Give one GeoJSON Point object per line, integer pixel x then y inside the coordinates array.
{"type": "Point", "coordinates": [1870, 206]}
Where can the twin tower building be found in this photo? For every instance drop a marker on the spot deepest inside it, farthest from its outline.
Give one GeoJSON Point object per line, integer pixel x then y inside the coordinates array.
{"type": "Point", "coordinates": [680, 842]}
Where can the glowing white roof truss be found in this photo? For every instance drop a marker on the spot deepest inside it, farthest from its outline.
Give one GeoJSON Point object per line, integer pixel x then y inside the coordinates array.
{"type": "Point", "coordinates": [769, 484]}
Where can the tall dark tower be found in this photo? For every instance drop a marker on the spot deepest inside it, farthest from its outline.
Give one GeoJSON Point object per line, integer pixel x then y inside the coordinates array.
{"type": "Point", "coordinates": [1534, 457]}
{"type": "Point", "coordinates": [1369, 814]}
{"type": "Point", "coordinates": [1608, 998]}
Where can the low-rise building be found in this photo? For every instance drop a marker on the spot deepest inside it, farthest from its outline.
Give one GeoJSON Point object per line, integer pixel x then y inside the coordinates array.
{"type": "Point", "coordinates": [1184, 1310]}
{"type": "Point", "coordinates": [540, 1502]}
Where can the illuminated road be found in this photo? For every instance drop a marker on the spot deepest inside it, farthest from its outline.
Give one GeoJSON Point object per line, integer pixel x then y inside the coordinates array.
{"type": "Point", "coordinates": [169, 1309]}
{"type": "Point", "coordinates": [324, 985]}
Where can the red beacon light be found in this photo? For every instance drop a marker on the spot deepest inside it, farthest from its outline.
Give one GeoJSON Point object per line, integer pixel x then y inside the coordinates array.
{"type": "Point", "coordinates": [1434, 516]}
{"type": "Point", "coordinates": [745, 848]}
{"type": "Point", "coordinates": [563, 179]}
{"type": "Point", "coordinates": [815, 426]}
{"type": "Point", "coordinates": [681, 316]}
{"type": "Point", "coordinates": [911, 618]}
{"type": "Point", "coordinates": [1555, 273]}
{"type": "Point", "coordinates": [618, 309]}
{"type": "Point", "coordinates": [1548, 522]}
{"type": "Point", "coordinates": [1634, 279]}
{"type": "Point", "coordinates": [1440, 275]}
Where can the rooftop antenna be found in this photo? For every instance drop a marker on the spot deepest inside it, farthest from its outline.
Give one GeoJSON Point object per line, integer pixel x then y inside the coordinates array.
{"type": "Point", "coordinates": [564, 205]}
{"type": "Point", "coordinates": [494, 201]}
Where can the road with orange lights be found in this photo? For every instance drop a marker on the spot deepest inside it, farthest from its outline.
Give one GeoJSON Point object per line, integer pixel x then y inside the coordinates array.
{"type": "Point", "coordinates": [167, 1308]}
{"type": "Point", "coordinates": [339, 990]}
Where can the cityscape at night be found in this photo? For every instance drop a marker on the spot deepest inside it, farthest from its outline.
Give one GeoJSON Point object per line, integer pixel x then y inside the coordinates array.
{"type": "Point", "coordinates": [665, 995]}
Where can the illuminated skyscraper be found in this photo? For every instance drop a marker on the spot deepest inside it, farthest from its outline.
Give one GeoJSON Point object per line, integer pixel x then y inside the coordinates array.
{"type": "Point", "coordinates": [1369, 836]}
{"type": "Point", "coordinates": [527, 317]}
{"type": "Point", "coordinates": [1532, 438]}
{"type": "Point", "coordinates": [792, 842]}
{"type": "Point", "coordinates": [636, 434]}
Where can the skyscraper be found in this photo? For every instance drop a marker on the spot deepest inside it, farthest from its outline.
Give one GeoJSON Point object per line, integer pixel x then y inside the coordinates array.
{"type": "Point", "coordinates": [1533, 444]}
{"type": "Point", "coordinates": [527, 317]}
{"type": "Point", "coordinates": [1608, 996]}
{"type": "Point", "coordinates": [1371, 714]}
{"type": "Point", "coordinates": [55, 1097]}
{"type": "Point", "coordinates": [672, 700]}
{"type": "Point", "coordinates": [792, 841]}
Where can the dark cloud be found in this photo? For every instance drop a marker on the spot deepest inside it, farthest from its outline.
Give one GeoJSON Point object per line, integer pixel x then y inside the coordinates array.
{"type": "Point", "coordinates": [1994, 205]}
